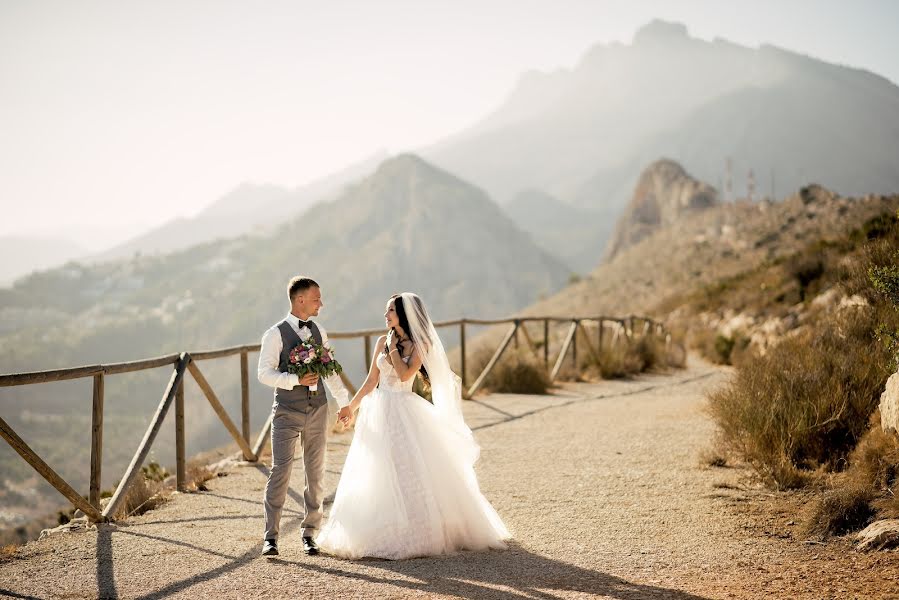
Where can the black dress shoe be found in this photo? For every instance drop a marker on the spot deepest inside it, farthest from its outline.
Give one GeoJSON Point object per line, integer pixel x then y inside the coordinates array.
{"type": "Point", "coordinates": [309, 546]}
{"type": "Point", "coordinates": [270, 548]}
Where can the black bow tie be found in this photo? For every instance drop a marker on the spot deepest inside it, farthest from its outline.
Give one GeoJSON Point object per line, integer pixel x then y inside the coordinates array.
{"type": "Point", "coordinates": [301, 324]}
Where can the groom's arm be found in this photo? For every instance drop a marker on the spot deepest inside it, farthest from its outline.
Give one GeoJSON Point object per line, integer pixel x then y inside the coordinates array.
{"type": "Point", "coordinates": [267, 372]}
{"type": "Point", "coordinates": [334, 382]}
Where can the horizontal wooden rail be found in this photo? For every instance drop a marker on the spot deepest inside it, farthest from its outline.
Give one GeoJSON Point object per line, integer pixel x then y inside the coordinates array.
{"type": "Point", "coordinates": [223, 352]}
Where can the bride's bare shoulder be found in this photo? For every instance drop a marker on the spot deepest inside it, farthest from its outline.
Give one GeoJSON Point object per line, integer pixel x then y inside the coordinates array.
{"type": "Point", "coordinates": [381, 341]}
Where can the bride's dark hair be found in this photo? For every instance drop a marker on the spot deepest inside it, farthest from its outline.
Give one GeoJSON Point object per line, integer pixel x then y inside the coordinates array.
{"type": "Point", "coordinates": [404, 323]}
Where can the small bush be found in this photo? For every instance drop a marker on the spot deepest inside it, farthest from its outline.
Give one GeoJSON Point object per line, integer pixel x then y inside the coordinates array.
{"type": "Point", "coordinates": [876, 458]}
{"type": "Point", "coordinates": [839, 511]}
{"type": "Point", "coordinates": [718, 348]}
{"type": "Point", "coordinates": [143, 495]}
{"type": "Point", "coordinates": [196, 477]}
{"type": "Point", "coordinates": [806, 269]}
{"type": "Point", "coordinates": [650, 352]}
{"type": "Point", "coordinates": [153, 471]}
{"type": "Point", "coordinates": [8, 552]}
{"type": "Point", "coordinates": [712, 457]}
{"type": "Point", "coordinates": [517, 372]}
{"type": "Point", "coordinates": [642, 354]}
{"type": "Point", "coordinates": [619, 361]}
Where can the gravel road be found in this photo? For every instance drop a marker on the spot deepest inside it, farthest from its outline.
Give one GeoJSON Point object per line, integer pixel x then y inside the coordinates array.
{"type": "Point", "coordinates": [600, 483]}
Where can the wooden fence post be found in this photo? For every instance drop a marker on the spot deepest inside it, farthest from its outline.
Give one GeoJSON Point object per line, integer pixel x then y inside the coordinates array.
{"type": "Point", "coordinates": [574, 345]}
{"type": "Point", "coordinates": [245, 396]}
{"type": "Point", "coordinates": [180, 449]}
{"type": "Point", "coordinates": [462, 350]}
{"type": "Point", "coordinates": [96, 441]}
{"type": "Point", "coordinates": [367, 360]}
{"type": "Point", "coordinates": [546, 343]}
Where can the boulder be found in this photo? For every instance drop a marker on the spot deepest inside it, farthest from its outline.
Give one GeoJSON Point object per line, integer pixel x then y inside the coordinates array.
{"type": "Point", "coordinates": [879, 535]}
{"type": "Point", "coordinates": [889, 405]}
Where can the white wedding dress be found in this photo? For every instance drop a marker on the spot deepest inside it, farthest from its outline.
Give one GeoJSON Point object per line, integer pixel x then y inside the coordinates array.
{"type": "Point", "coordinates": [408, 486]}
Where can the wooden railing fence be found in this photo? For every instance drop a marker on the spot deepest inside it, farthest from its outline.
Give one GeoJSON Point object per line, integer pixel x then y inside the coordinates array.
{"type": "Point", "coordinates": [187, 362]}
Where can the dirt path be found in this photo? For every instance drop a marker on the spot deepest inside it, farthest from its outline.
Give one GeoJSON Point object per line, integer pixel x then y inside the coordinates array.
{"type": "Point", "coordinates": [600, 483]}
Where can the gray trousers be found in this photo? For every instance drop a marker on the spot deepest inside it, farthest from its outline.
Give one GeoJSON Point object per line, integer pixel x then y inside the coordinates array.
{"type": "Point", "coordinates": [310, 424]}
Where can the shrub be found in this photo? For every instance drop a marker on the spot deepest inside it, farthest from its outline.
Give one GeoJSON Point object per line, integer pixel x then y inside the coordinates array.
{"type": "Point", "coordinates": [7, 552]}
{"type": "Point", "coordinates": [153, 471]}
{"type": "Point", "coordinates": [840, 510]}
{"type": "Point", "coordinates": [806, 268]}
{"type": "Point", "coordinates": [143, 495]}
{"type": "Point", "coordinates": [874, 464]}
{"type": "Point", "coordinates": [719, 348]}
{"type": "Point", "coordinates": [723, 347]}
{"type": "Point", "coordinates": [517, 372]}
{"type": "Point", "coordinates": [619, 361]}
{"type": "Point", "coordinates": [806, 403]}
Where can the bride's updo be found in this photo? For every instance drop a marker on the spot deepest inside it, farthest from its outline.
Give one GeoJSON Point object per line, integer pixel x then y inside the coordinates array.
{"type": "Point", "coordinates": [404, 323]}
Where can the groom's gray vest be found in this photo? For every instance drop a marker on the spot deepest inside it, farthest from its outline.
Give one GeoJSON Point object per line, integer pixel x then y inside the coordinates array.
{"type": "Point", "coordinates": [299, 398]}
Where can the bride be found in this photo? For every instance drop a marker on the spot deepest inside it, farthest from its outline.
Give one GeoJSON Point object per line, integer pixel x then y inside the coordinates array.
{"type": "Point", "coordinates": [408, 486]}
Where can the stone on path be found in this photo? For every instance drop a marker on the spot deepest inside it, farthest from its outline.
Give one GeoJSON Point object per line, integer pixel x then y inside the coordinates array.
{"type": "Point", "coordinates": [879, 535]}
{"type": "Point", "coordinates": [889, 405]}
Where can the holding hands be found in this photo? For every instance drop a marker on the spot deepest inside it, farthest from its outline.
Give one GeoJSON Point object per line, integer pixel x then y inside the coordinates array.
{"type": "Point", "coordinates": [345, 415]}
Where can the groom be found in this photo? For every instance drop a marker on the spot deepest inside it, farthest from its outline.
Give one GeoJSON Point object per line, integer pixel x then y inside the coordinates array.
{"type": "Point", "coordinates": [298, 412]}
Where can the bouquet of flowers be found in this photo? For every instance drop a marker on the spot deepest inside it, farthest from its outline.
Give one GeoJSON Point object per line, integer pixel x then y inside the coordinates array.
{"type": "Point", "coordinates": [309, 357]}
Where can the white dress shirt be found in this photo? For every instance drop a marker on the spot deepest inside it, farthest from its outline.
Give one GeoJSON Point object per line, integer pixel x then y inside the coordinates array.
{"type": "Point", "coordinates": [270, 356]}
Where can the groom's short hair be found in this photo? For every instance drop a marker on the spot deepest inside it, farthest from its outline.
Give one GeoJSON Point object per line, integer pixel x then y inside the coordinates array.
{"type": "Point", "coordinates": [298, 285]}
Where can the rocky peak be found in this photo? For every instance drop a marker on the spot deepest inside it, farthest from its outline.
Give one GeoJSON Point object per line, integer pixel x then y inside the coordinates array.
{"type": "Point", "coordinates": [664, 193]}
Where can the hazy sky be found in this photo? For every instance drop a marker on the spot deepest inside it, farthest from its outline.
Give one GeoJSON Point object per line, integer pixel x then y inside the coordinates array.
{"type": "Point", "coordinates": [130, 113]}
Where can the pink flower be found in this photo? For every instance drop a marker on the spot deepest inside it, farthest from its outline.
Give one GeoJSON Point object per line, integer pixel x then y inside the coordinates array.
{"type": "Point", "coordinates": [326, 358]}
{"type": "Point", "coordinates": [302, 354]}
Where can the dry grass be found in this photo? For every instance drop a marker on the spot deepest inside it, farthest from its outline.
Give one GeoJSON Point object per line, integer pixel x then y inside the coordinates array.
{"type": "Point", "coordinates": [838, 511]}
{"type": "Point", "coordinates": [619, 361]}
{"type": "Point", "coordinates": [720, 349]}
{"type": "Point", "coordinates": [197, 475]}
{"type": "Point", "coordinates": [517, 372]}
{"type": "Point", "coordinates": [712, 457]}
{"type": "Point", "coordinates": [8, 552]}
{"type": "Point", "coordinates": [146, 493]}
{"type": "Point", "coordinates": [639, 355]}
{"type": "Point", "coordinates": [155, 485]}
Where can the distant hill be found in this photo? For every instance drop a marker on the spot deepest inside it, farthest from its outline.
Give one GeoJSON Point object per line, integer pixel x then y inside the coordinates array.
{"type": "Point", "coordinates": [250, 208]}
{"type": "Point", "coordinates": [583, 135]}
{"type": "Point", "coordinates": [24, 254]}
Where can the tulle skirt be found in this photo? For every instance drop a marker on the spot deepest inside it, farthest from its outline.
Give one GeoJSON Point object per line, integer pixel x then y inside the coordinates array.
{"type": "Point", "coordinates": [408, 486]}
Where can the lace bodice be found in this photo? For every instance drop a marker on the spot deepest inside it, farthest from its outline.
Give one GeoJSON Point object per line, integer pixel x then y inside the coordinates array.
{"type": "Point", "coordinates": [389, 380]}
